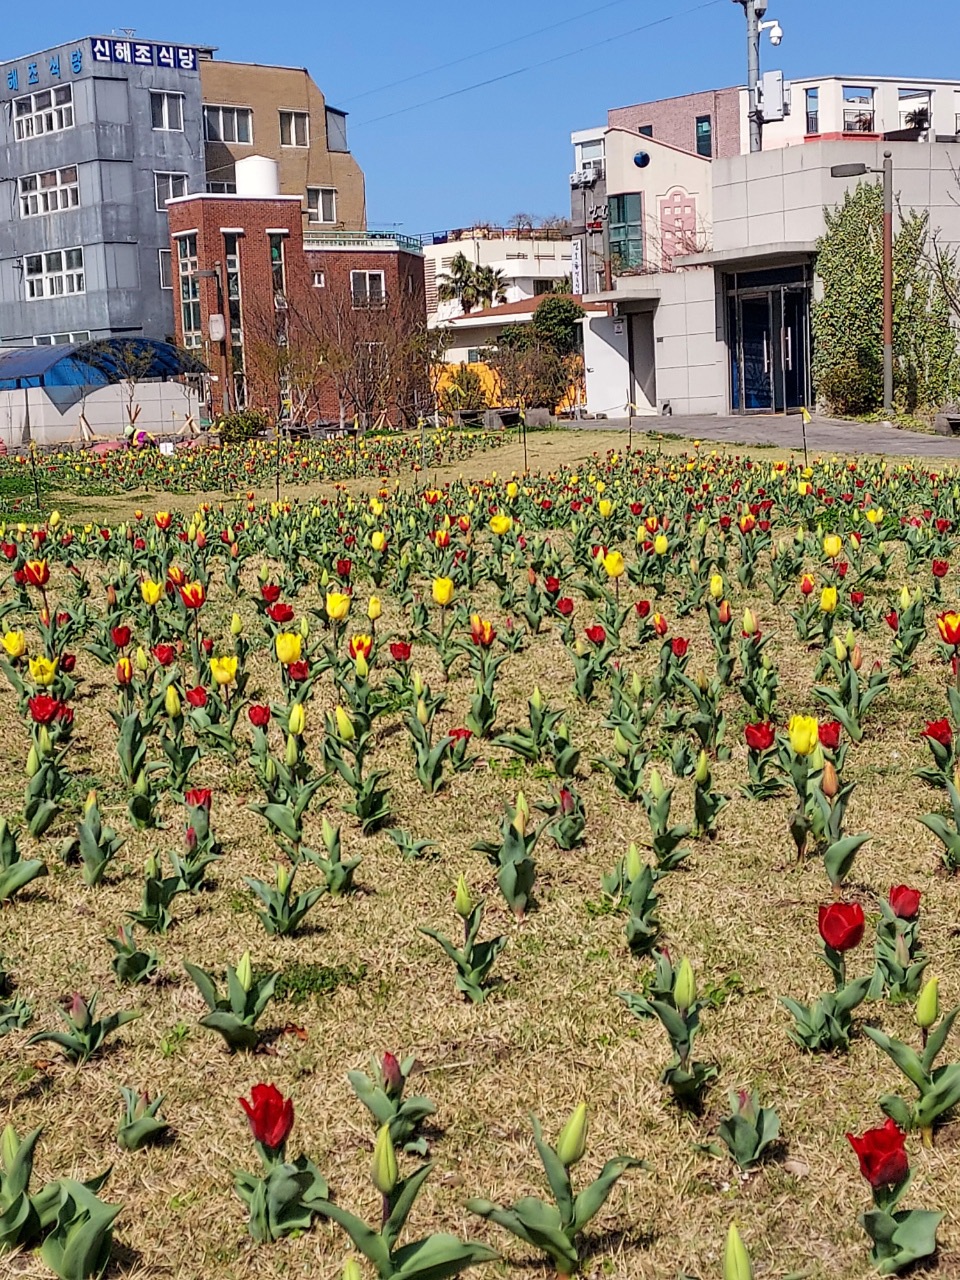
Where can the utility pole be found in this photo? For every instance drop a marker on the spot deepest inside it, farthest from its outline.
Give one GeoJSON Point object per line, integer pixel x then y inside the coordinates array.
{"type": "Point", "coordinates": [754, 11]}
{"type": "Point", "coordinates": [888, 282]}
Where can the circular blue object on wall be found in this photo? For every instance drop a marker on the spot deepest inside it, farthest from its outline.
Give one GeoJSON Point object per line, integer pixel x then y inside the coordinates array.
{"type": "Point", "coordinates": [641, 159]}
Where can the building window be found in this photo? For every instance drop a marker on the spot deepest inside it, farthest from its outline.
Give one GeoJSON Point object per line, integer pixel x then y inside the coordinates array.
{"type": "Point", "coordinates": [704, 137]}
{"type": "Point", "coordinates": [813, 110]}
{"type": "Point", "coordinates": [366, 288]}
{"type": "Point", "coordinates": [46, 112]}
{"type": "Point", "coordinates": [169, 186]}
{"type": "Point", "coordinates": [626, 231]}
{"type": "Point", "coordinates": [222, 188]}
{"type": "Point", "coordinates": [228, 124]}
{"type": "Point", "coordinates": [49, 192]}
{"type": "Point", "coordinates": [278, 266]}
{"type": "Point", "coordinates": [473, 355]}
{"type": "Point", "coordinates": [51, 275]}
{"type": "Point", "coordinates": [646, 130]}
{"type": "Point", "coordinates": [915, 108]}
{"type": "Point", "coordinates": [166, 111]}
{"type": "Point", "coordinates": [166, 269]}
{"type": "Point", "coordinates": [61, 339]}
{"type": "Point", "coordinates": [858, 116]}
{"type": "Point", "coordinates": [318, 280]}
{"type": "Point", "coordinates": [294, 129]}
{"type": "Point", "coordinates": [188, 268]}
{"type": "Point", "coordinates": [336, 130]}
{"type": "Point", "coordinates": [590, 157]}
{"type": "Point", "coordinates": [231, 258]}
{"type": "Point", "coordinates": [321, 204]}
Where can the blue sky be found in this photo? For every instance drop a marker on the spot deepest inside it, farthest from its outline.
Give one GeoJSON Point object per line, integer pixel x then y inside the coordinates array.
{"type": "Point", "coordinates": [501, 149]}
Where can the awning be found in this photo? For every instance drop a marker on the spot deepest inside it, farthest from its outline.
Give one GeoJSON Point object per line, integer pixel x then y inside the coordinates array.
{"type": "Point", "coordinates": [760, 255]}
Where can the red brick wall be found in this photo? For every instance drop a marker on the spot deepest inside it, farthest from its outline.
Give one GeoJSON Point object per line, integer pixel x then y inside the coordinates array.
{"type": "Point", "coordinates": [314, 315]}
{"type": "Point", "coordinates": [674, 119]}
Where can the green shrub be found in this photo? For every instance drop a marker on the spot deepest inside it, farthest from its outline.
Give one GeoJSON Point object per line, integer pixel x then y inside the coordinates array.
{"type": "Point", "coordinates": [242, 424]}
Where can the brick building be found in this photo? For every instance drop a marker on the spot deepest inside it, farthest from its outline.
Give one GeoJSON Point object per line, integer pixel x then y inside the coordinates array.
{"type": "Point", "coordinates": [317, 324]}
{"type": "Point", "coordinates": [708, 124]}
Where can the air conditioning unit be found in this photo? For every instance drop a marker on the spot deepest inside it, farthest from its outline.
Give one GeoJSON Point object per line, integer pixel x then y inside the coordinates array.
{"type": "Point", "coordinates": [586, 177]}
{"type": "Point", "coordinates": [575, 179]}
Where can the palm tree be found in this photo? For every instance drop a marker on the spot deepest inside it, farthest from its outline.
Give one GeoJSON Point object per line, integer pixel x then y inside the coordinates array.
{"type": "Point", "coordinates": [491, 286]}
{"type": "Point", "coordinates": [459, 284]}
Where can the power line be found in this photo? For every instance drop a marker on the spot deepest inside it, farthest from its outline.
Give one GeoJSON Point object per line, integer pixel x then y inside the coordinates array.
{"type": "Point", "coordinates": [493, 48]}
{"type": "Point", "coordinates": [544, 62]}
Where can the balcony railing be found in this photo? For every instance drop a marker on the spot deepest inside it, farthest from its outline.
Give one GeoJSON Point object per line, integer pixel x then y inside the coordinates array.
{"type": "Point", "coordinates": [858, 120]}
{"type": "Point", "coordinates": [813, 122]}
{"type": "Point", "coordinates": [384, 240]}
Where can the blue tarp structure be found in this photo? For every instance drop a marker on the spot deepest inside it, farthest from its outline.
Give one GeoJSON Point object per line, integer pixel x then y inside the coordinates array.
{"type": "Point", "coordinates": [94, 364]}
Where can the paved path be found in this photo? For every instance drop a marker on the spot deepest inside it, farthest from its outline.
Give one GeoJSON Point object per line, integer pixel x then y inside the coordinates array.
{"type": "Point", "coordinates": [824, 435]}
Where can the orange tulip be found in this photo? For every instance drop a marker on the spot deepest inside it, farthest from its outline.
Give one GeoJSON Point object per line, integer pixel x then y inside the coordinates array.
{"type": "Point", "coordinates": [482, 631]}
{"type": "Point", "coordinates": [124, 671]}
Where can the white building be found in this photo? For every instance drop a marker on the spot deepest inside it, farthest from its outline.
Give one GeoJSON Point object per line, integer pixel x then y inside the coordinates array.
{"type": "Point", "coordinates": [532, 262]}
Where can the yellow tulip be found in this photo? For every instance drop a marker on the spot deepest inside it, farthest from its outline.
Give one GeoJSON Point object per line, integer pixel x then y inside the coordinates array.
{"type": "Point", "coordinates": [804, 734]}
{"type": "Point", "coordinates": [661, 544]}
{"type": "Point", "coordinates": [345, 728]}
{"type": "Point", "coordinates": [512, 489]}
{"type": "Point", "coordinates": [43, 670]}
{"type": "Point", "coordinates": [501, 525]}
{"type": "Point", "coordinates": [15, 643]}
{"type": "Point", "coordinates": [716, 586]}
{"type": "Point", "coordinates": [832, 545]}
{"type": "Point", "coordinates": [171, 702]}
{"type": "Point", "coordinates": [828, 600]}
{"type": "Point", "coordinates": [151, 592]}
{"type": "Point", "coordinates": [338, 606]}
{"type": "Point", "coordinates": [605, 507]}
{"type": "Point", "coordinates": [289, 647]}
{"type": "Point", "coordinates": [223, 670]}
{"type": "Point", "coordinates": [378, 540]}
{"type": "Point", "coordinates": [297, 719]}
{"type": "Point", "coordinates": [875, 515]}
{"type": "Point", "coordinates": [442, 591]}
{"type": "Point", "coordinates": [236, 625]}
{"type": "Point", "coordinates": [53, 519]}
{"type": "Point", "coordinates": [374, 608]}
{"type": "Point", "coordinates": [613, 564]}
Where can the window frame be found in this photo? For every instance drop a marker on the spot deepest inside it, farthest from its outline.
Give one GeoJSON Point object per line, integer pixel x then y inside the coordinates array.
{"type": "Point", "coordinates": [626, 223]}
{"type": "Point", "coordinates": [232, 110]}
{"type": "Point", "coordinates": [168, 173]}
{"type": "Point", "coordinates": [165, 97]}
{"type": "Point", "coordinates": [40, 194]}
{"type": "Point", "coordinates": [169, 261]}
{"type": "Point", "coordinates": [76, 337]}
{"type": "Point", "coordinates": [707, 133]}
{"type": "Point", "coordinates": [365, 301]}
{"type": "Point", "coordinates": [188, 275]}
{"type": "Point", "coordinates": [60, 105]}
{"type": "Point", "coordinates": [318, 207]}
{"type": "Point", "coordinates": [294, 115]}
{"type": "Point", "coordinates": [319, 280]}
{"type": "Point", "coordinates": [69, 275]}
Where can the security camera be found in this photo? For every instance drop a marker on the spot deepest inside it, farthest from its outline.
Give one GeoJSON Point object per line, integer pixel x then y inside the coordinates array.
{"type": "Point", "coordinates": [776, 33]}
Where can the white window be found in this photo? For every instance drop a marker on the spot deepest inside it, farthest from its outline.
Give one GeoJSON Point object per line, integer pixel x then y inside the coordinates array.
{"type": "Point", "coordinates": [222, 188]}
{"type": "Point", "coordinates": [321, 204]}
{"type": "Point", "coordinates": [166, 111]}
{"type": "Point", "coordinates": [60, 339]}
{"type": "Point", "coordinates": [48, 192]}
{"type": "Point", "coordinates": [166, 269]}
{"type": "Point", "coordinates": [169, 186]}
{"type": "Point", "coordinates": [294, 129]}
{"type": "Point", "coordinates": [366, 288]}
{"type": "Point", "coordinates": [188, 267]}
{"type": "Point", "coordinates": [590, 155]}
{"type": "Point", "coordinates": [46, 112]}
{"type": "Point", "coordinates": [50, 275]}
{"type": "Point", "coordinates": [228, 124]}
{"type": "Point", "coordinates": [318, 280]}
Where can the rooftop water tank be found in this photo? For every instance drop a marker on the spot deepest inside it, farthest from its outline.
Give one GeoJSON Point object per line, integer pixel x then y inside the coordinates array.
{"type": "Point", "coordinates": [258, 176]}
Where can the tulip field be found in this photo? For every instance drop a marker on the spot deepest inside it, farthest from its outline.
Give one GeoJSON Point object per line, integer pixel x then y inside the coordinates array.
{"type": "Point", "coordinates": [446, 867]}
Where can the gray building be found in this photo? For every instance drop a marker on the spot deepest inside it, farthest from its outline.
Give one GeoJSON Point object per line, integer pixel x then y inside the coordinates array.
{"type": "Point", "coordinates": [94, 136]}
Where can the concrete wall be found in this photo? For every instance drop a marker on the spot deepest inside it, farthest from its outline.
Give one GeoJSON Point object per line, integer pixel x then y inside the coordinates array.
{"type": "Point", "coordinates": [674, 119]}
{"type": "Point", "coordinates": [691, 353]}
{"type": "Point", "coordinates": [54, 412]}
{"type": "Point", "coordinates": [944, 100]}
{"type": "Point", "coordinates": [778, 196]}
{"type": "Point", "coordinates": [521, 259]}
{"type": "Point", "coordinates": [117, 224]}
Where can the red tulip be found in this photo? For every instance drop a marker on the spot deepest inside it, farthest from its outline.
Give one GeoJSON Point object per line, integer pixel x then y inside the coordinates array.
{"type": "Point", "coordinates": [270, 1116]}
{"type": "Point", "coordinates": [197, 697]}
{"type": "Point", "coordinates": [551, 586]}
{"type": "Point", "coordinates": [67, 662]}
{"type": "Point", "coordinates": [679, 646]}
{"type": "Point", "coordinates": [280, 613]}
{"type": "Point", "coordinates": [120, 636]}
{"type": "Point", "coordinates": [904, 901]}
{"type": "Point", "coordinates": [392, 1076]}
{"type": "Point", "coordinates": [199, 798]}
{"type": "Point", "coordinates": [259, 715]}
{"type": "Point", "coordinates": [564, 606]}
{"type": "Point", "coordinates": [37, 573]}
{"type": "Point", "coordinates": [400, 651]}
{"type": "Point", "coordinates": [643, 608]}
{"type": "Point", "coordinates": [940, 731]}
{"type": "Point", "coordinates": [940, 568]}
{"type": "Point", "coordinates": [949, 627]}
{"type": "Point", "coordinates": [124, 671]}
{"type": "Point", "coordinates": [660, 624]}
{"type": "Point", "coordinates": [595, 634]}
{"type": "Point", "coordinates": [892, 619]}
{"type": "Point", "coordinates": [856, 599]}
{"type": "Point", "coordinates": [829, 732]}
{"type": "Point", "coordinates": [164, 654]}
{"type": "Point", "coordinates": [461, 735]}
{"type": "Point", "coordinates": [65, 716]}
{"type": "Point", "coordinates": [270, 592]}
{"type": "Point", "coordinates": [193, 594]}
{"type": "Point", "coordinates": [344, 568]}
{"type": "Point", "coordinates": [841, 925]}
{"type": "Point", "coordinates": [298, 671]}
{"type": "Point", "coordinates": [882, 1155]}
{"type": "Point", "coordinates": [759, 736]}
{"type": "Point", "coordinates": [43, 708]}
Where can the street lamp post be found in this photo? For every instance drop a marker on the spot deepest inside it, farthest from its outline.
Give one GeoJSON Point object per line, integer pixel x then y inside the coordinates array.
{"type": "Point", "coordinates": [858, 171]}
{"type": "Point", "coordinates": [754, 11]}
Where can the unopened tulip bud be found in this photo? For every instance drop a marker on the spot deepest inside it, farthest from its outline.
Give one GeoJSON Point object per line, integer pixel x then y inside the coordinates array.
{"type": "Point", "coordinates": [684, 986]}
{"type": "Point", "coordinates": [417, 681]}
{"type": "Point", "coordinates": [536, 698]}
{"type": "Point", "coordinates": [345, 729]}
{"type": "Point", "coordinates": [171, 702]}
{"type": "Point", "coordinates": [141, 786]}
{"type": "Point", "coordinates": [140, 659]}
{"type": "Point", "coordinates": [33, 762]}
{"type": "Point", "coordinates": [839, 649]}
{"type": "Point", "coordinates": [462, 902]}
{"type": "Point", "coordinates": [422, 714]}
{"type": "Point", "coordinates": [297, 720]}
{"type": "Point", "coordinates": [383, 1170]}
{"type": "Point", "coordinates": [573, 1137]}
{"type": "Point", "coordinates": [284, 876]}
{"type": "Point", "coordinates": [632, 863]}
{"type": "Point", "coordinates": [391, 1075]}
{"type": "Point", "coordinates": [236, 625]}
{"type": "Point", "coordinates": [856, 657]}
{"type": "Point", "coordinates": [656, 784]}
{"type": "Point", "coordinates": [716, 586]}
{"type": "Point", "coordinates": [361, 666]}
{"type": "Point", "coordinates": [292, 751]}
{"type": "Point", "coordinates": [702, 773]}
{"type": "Point", "coordinates": [636, 685]}
{"type": "Point", "coordinates": [374, 608]}
{"type": "Point", "coordinates": [270, 770]}
{"type": "Point", "coordinates": [329, 833]}
{"type": "Point", "coordinates": [702, 683]}
{"type": "Point", "coordinates": [904, 598]}
{"type": "Point", "coordinates": [351, 1270]}
{"type": "Point", "coordinates": [521, 815]}
{"type": "Point", "coordinates": [749, 622]}
{"type": "Point", "coordinates": [928, 1004]}
{"type": "Point", "coordinates": [620, 744]}
{"type": "Point", "coordinates": [829, 782]}
{"type": "Point", "coordinates": [305, 628]}
{"type": "Point", "coordinates": [736, 1260]}
{"type": "Point", "coordinates": [90, 801]}
{"type": "Point", "coordinates": [245, 971]}
{"type": "Point", "coordinates": [44, 742]}
{"type": "Point", "coordinates": [79, 1012]}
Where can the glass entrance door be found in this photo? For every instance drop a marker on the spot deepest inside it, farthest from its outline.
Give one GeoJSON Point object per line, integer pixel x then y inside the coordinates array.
{"type": "Point", "coordinates": [769, 348]}
{"type": "Point", "coordinates": [755, 315]}
{"type": "Point", "coordinates": [795, 348]}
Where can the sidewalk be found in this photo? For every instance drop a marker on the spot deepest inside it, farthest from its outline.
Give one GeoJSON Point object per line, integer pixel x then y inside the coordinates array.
{"type": "Point", "coordinates": [824, 435]}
